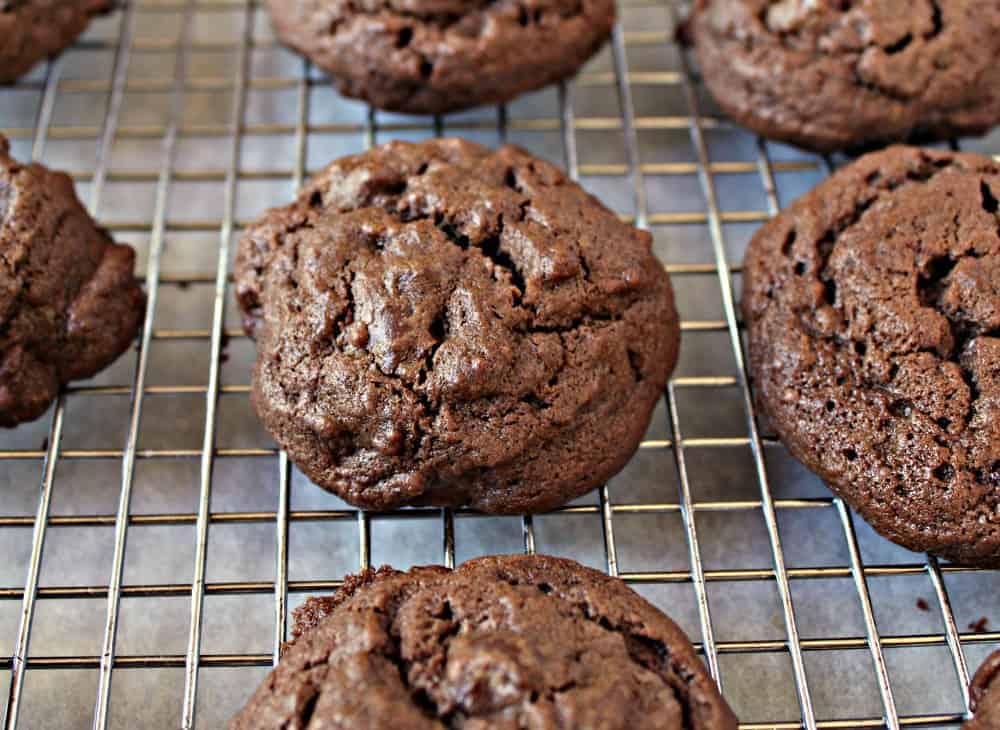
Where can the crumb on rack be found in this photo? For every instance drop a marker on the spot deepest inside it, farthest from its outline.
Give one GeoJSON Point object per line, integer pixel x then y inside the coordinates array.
{"type": "Point", "coordinates": [980, 626]}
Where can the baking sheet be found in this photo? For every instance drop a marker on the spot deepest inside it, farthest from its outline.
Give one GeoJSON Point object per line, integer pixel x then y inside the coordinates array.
{"type": "Point", "coordinates": [63, 112]}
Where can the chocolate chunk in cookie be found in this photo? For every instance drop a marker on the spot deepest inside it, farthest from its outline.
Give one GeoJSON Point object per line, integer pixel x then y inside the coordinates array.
{"type": "Point", "coordinates": [502, 642]}
{"type": "Point", "coordinates": [830, 76]}
{"type": "Point", "coordinates": [69, 303]}
{"type": "Point", "coordinates": [873, 309]}
{"type": "Point", "coordinates": [441, 324]}
{"type": "Point", "coordinates": [436, 56]}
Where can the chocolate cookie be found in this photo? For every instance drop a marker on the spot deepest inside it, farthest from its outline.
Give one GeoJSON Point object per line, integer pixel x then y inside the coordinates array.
{"type": "Point", "coordinates": [69, 304]}
{"type": "Point", "coordinates": [441, 324]}
{"type": "Point", "coordinates": [985, 693]}
{"type": "Point", "coordinates": [836, 75]}
{"type": "Point", "coordinates": [501, 642]}
{"type": "Point", "coordinates": [873, 310]}
{"type": "Point", "coordinates": [33, 30]}
{"type": "Point", "coordinates": [436, 56]}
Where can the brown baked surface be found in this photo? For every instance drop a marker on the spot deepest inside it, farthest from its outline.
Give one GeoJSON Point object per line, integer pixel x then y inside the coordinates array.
{"type": "Point", "coordinates": [69, 303]}
{"type": "Point", "coordinates": [833, 75]}
{"type": "Point", "coordinates": [436, 56]}
{"type": "Point", "coordinates": [873, 310]}
{"type": "Point", "coordinates": [441, 324]}
{"type": "Point", "coordinates": [33, 30]}
{"type": "Point", "coordinates": [502, 642]}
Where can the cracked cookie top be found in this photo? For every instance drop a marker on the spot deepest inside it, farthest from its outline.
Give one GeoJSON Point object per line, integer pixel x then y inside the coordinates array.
{"type": "Point", "coordinates": [33, 30]}
{"type": "Point", "coordinates": [873, 307]}
{"type": "Point", "coordinates": [69, 303]}
{"type": "Point", "coordinates": [438, 323]}
{"type": "Point", "coordinates": [436, 56]}
{"type": "Point", "coordinates": [501, 642]}
{"type": "Point", "coordinates": [985, 694]}
{"type": "Point", "coordinates": [843, 75]}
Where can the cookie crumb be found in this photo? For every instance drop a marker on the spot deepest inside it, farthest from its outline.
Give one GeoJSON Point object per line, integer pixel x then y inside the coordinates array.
{"type": "Point", "coordinates": [980, 626]}
{"type": "Point", "coordinates": [922, 605]}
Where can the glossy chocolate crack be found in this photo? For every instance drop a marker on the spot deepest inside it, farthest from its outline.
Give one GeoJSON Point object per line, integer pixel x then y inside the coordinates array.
{"type": "Point", "coordinates": [388, 196]}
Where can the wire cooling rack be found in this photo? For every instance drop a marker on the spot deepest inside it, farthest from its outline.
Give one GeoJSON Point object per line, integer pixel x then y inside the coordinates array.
{"type": "Point", "coordinates": [155, 539]}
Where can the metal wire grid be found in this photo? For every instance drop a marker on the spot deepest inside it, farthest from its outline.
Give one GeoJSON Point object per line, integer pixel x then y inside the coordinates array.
{"type": "Point", "coordinates": [567, 124]}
